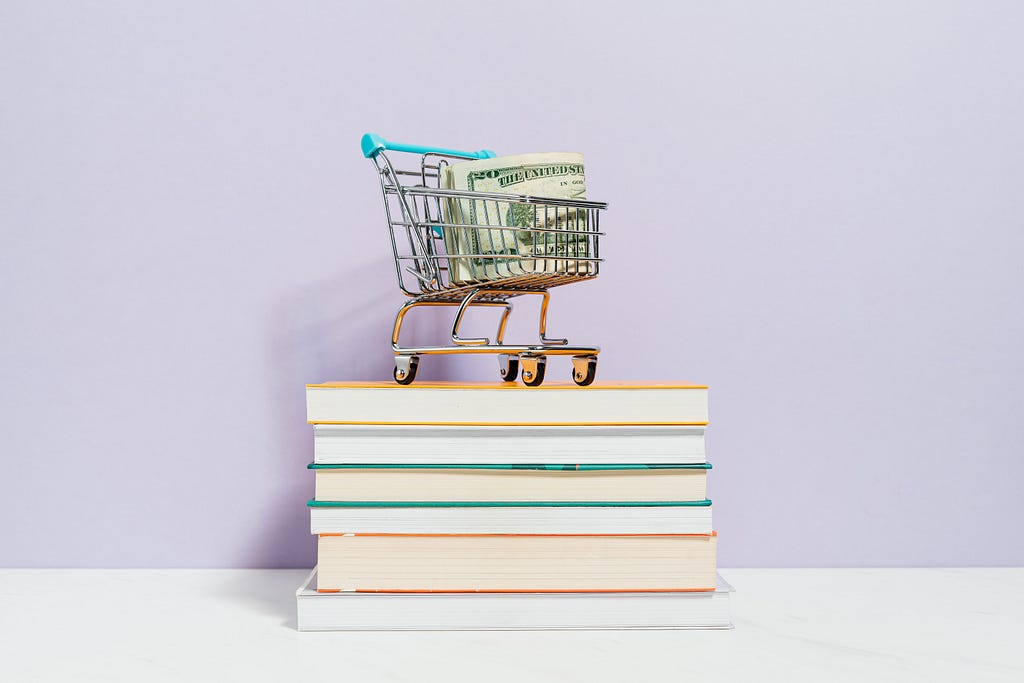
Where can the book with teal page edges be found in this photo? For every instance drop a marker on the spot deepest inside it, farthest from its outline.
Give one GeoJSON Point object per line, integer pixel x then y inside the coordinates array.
{"type": "Point", "coordinates": [519, 499]}
{"type": "Point", "coordinates": [511, 482]}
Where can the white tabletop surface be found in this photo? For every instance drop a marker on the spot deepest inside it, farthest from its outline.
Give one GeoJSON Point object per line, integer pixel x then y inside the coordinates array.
{"type": "Point", "coordinates": [149, 625]}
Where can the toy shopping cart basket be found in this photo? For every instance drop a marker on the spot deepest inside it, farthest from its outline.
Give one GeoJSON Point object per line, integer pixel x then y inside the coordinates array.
{"type": "Point", "coordinates": [464, 249]}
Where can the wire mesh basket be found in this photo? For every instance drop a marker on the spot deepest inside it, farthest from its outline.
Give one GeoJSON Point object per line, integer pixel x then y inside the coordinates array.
{"type": "Point", "coordinates": [470, 249]}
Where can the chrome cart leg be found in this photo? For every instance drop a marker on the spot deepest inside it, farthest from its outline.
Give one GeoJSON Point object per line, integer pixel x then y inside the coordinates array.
{"type": "Point", "coordinates": [405, 369]}
{"type": "Point", "coordinates": [501, 325]}
{"type": "Point", "coordinates": [545, 298]}
{"type": "Point", "coordinates": [463, 305]}
{"type": "Point", "coordinates": [533, 369]}
{"type": "Point", "coordinates": [508, 364]}
{"type": "Point", "coordinates": [399, 317]}
{"type": "Point", "coordinates": [508, 367]}
{"type": "Point", "coordinates": [584, 369]}
{"type": "Point", "coordinates": [456, 339]}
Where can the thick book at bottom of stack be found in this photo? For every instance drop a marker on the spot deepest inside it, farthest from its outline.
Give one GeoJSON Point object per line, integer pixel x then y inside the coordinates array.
{"type": "Point", "coordinates": [510, 611]}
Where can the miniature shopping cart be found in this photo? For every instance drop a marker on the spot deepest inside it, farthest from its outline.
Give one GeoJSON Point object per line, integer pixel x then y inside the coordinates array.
{"type": "Point", "coordinates": [464, 249]}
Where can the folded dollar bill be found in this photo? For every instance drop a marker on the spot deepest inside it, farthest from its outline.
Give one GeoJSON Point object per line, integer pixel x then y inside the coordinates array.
{"type": "Point", "coordinates": [533, 240]}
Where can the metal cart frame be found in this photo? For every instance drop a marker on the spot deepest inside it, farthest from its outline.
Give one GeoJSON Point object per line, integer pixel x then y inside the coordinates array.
{"type": "Point", "coordinates": [425, 221]}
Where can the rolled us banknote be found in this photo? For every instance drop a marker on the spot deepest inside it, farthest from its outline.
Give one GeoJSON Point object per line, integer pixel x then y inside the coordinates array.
{"type": "Point", "coordinates": [477, 253]}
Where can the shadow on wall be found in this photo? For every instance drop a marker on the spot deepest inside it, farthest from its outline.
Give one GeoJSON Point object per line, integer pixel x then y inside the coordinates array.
{"type": "Point", "coordinates": [336, 329]}
{"type": "Point", "coordinates": [339, 329]}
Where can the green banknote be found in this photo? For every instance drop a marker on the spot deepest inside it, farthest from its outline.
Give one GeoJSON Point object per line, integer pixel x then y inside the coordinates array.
{"type": "Point", "coordinates": [538, 238]}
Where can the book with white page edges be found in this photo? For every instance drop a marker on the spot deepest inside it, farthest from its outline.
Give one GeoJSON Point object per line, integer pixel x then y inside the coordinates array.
{"type": "Point", "coordinates": [489, 404]}
{"type": "Point", "coordinates": [504, 444]}
{"type": "Point", "coordinates": [351, 611]}
{"type": "Point", "coordinates": [692, 517]}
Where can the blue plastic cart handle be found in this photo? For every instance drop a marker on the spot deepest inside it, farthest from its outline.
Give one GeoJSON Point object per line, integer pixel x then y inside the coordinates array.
{"type": "Point", "coordinates": [372, 144]}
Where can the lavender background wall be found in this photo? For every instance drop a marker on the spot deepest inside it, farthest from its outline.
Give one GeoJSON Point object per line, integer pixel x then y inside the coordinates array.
{"type": "Point", "coordinates": [815, 210]}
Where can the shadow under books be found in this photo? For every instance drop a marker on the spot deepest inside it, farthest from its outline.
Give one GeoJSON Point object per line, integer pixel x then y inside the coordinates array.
{"type": "Point", "coordinates": [335, 329]}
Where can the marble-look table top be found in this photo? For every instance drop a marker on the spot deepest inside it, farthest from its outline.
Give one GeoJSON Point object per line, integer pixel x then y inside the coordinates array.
{"type": "Point", "coordinates": [825, 625]}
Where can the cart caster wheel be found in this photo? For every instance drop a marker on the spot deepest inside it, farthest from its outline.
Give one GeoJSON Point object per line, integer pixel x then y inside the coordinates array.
{"type": "Point", "coordinates": [533, 369]}
{"type": "Point", "coordinates": [508, 367]}
{"type": "Point", "coordinates": [584, 370]}
{"type": "Point", "coordinates": [405, 369]}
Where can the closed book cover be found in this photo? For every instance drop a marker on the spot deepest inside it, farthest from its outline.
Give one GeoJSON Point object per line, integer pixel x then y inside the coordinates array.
{"type": "Point", "coordinates": [447, 403]}
{"type": "Point", "coordinates": [507, 444]}
{"type": "Point", "coordinates": [510, 563]}
{"type": "Point", "coordinates": [511, 482]}
{"type": "Point", "coordinates": [352, 611]}
{"type": "Point", "coordinates": [509, 517]}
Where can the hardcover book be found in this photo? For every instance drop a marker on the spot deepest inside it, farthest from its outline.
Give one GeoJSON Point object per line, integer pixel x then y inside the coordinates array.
{"type": "Point", "coordinates": [519, 483]}
{"type": "Point", "coordinates": [503, 444]}
{"type": "Point", "coordinates": [504, 563]}
{"type": "Point", "coordinates": [353, 611]}
{"type": "Point", "coordinates": [504, 517]}
{"type": "Point", "coordinates": [506, 404]}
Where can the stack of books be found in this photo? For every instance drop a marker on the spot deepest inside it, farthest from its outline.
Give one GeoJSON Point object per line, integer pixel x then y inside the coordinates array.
{"type": "Point", "coordinates": [454, 506]}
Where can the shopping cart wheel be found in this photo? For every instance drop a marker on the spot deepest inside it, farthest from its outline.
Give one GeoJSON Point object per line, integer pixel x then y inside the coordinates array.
{"type": "Point", "coordinates": [584, 369]}
{"type": "Point", "coordinates": [533, 369]}
{"type": "Point", "coordinates": [508, 367]}
{"type": "Point", "coordinates": [405, 368]}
